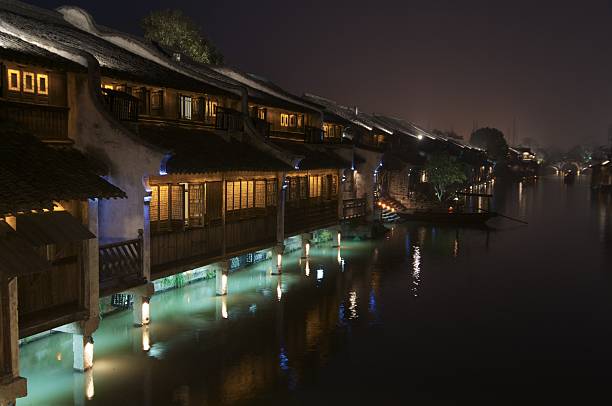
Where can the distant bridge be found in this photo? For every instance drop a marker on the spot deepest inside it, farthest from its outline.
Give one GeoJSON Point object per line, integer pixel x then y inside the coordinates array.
{"type": "Point", "coordinates": [562, 166]}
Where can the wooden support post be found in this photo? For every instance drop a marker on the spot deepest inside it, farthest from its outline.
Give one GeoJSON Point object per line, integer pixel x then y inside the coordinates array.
{"type": "Point", "coordinates": [12, 386]}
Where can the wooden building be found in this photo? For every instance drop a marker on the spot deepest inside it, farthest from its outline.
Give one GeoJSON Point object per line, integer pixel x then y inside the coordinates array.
{"type": "Point", "coordinates": [49, 264]}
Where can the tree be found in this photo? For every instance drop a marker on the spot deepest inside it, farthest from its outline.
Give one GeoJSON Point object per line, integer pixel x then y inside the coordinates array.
{"type": "Point", "coordinates": [492, 140]}
{"type": "Point", "coordinates": [444, 172]}
{"type": "Point", "coordinates": [173, 29]}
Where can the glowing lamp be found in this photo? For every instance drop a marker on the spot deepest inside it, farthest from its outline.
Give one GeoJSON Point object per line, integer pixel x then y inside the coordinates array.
{"type": "Point", "coordinates": [146, 340]}
{"type": "Point", "coordinates": [88, 354]}
{"type": "Point", "coordinates": [146, 312]}
{"type": "Point", "coordinates": [307, 249]}
{"type": "Point", "coordinates": [89, 385]}
{"type": "Point", "coordinates": [224, 313]}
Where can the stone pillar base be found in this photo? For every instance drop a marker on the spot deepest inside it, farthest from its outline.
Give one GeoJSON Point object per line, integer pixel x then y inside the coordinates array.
{"type": "Point", "coordinates": [142, 304]}
{"type": "Point", "coordinates": [277, 257]}
{"type": "Point", "coordinates": [222, 278]}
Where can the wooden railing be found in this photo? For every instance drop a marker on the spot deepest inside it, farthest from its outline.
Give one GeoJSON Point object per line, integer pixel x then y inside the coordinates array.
{"type": "Point", "coordinates": [262, 126]}
{"type": "Point", "coordinates": [244, 233]}
{"type": "Point", "coordinates": [313, 135]}
{"type": "Point", "coordinates": [310, 214]}
{"type": "Point", "coordinates": [353, 208]}
{"type": "Point", "coordinates": [121, 105]}
{"type": "Point", "coordinates": [229, 120]}
{"type": "Point", "coordinates": [121, 265]}
{"type": "Point", "coordinates": [46, 122]}
{"type": "Point", "coordinates": [185, 247]}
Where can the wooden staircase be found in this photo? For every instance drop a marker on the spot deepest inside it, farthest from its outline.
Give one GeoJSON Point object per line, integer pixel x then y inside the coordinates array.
{"type": "Point", "coordinates": [390, 209]}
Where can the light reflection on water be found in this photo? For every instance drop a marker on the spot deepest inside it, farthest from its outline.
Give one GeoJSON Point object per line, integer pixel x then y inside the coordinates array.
{"type": "Point", "coordinates": [358, 316]}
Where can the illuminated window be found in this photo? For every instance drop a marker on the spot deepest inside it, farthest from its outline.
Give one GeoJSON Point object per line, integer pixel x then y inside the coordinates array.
{"type": "Point", "coordinates": [211, 108]}
{"type": "Point", "coordinates": [108, 86]}
{"type": "Point", "coordinates": [43, 83]}
{"type": "Point", "coordinates": [284, 120]}
{"type": "Point", "coordinates": [185, 107]}
{"type": "Point", "coordinates": [300, 120]}
{"type": "Point", "coordinates": [154, 205]}
{"type": "Point", "coordinates": [196, 204]}
{"type": "Point", "coordinates": [28, 82]}
{"type": "Point", "coordinates": [177, 202]}
{"type": "Point", "coordinates": [292, 120]}
{"type": "Point", "coordinates": [261, 113]}
{"type": "Point", "coordinates": [314, 186]}
{"type": "Point", "coordinates": [423, 177]}
{"type": "Point", "coordinates": [163, 203]}
{"type": "Point", "coordinates": [271, 192]}
{"type": "Point", "coordinates": [326, 131]}
{"type": "Point", "coordinates": [260, 193]}
{"type": "Point", "coordinates": [14, 83]}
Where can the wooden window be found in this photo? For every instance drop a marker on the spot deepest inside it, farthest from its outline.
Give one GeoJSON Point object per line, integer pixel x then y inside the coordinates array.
{"type": "Point", "coordinates": [108, 86]}
{"type": "Point", "coordinates": [292, 120]}
{"type": "Point", "coordinates": [177, 202]}
{"type": "Point", "coordinates": [199, 105]}
{"type": "Point", "coordinates": [294, 191]}
{"type": "Point", "coordinates": [154, 205]}
{"type": "Point", "coordinates": [163, 203]}
{"type": "Point", "coordinates": [196, 204]}
{"type": "Point", "coordinates": [300, 121]}
{"type": "Point", "coordinates": [14, 82]}
{"type": "Point", "coordinates": [260, 194]}
{"type": "Point", "coordinates": [236, 186]}
{"type": "Point", "coordinates": [185, 104]}
{"type": "Point", "coordinates": [42, 83]}
{"type": "Point", "coordinates": [271, 192]}
{"type": "Point", "coordinates": [314, 186]}
{"type": "Point", "coordinates": [261, 113]}
{"type": "Point", "coordinates": [157, 100]}
{"type": "Point", "coordinates": [229, 196]}
{"type": "Point", "coordinates": [243, 194]}
{"type": "Point", "coordinates": [211, 108]}
{"type": "Point", "coordinates": [334, 185]}
{"type": "Point", "coordinates": [303, 187]}
{"type": "Point", "coordinates": [284, 120]}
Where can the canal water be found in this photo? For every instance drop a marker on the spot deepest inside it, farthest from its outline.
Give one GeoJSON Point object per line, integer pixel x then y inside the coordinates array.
{"type": "Point", "coordinates": [425, 315]}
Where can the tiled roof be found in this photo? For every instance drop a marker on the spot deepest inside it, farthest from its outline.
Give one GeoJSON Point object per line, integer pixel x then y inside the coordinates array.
{"type": "Point", "coordinates": [33, 174]}
{"type": "Point", "coordinates": [201, 151]}
{"type": "Point", "coordinates": [316, 156]}
{"type": "Point", "coordinates": [15, 49]}
{"type": "Point", "coordinates": [114, 60]}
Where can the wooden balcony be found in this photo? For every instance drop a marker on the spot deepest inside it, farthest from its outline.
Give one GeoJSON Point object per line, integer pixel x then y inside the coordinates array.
{"type": "Point", "coordinates": [121, 265]}
{"type": "Point", "coordinates": [46, 122]}
{"type": "Point", "coordinates": [262, 126]}
{"type": "Point", "coordinates": [310, 214]}
{"type": "Point", "coordinates": [229, 120]}
{"type": "Point", "coordinates": [51, 299]}
{"type": "Point", "coordinates": [179, 250]}
{"type": "Point", "coordinates": [353, 208]}
{"type": "Point", "coordinates": [121, 105]}
{"type": "Point", "coordinates": [313, 135]}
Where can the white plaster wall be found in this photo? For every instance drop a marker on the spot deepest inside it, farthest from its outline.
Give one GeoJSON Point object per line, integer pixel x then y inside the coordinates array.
{"type": "Point", "coordinates": [364, 176]}
{"type": "Point", "coordinates": [128, 160]}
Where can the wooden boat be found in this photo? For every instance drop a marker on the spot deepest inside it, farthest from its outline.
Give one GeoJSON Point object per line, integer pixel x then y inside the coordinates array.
{"type": "Point", "coordinates": [460, 218]}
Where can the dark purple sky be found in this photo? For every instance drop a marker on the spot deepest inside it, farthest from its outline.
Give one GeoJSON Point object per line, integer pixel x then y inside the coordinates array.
{"type": "Point", "coordinates": [440, 63]}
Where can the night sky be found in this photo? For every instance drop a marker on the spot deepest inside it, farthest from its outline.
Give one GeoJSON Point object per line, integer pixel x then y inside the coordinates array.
{"type": "Point", "coordinates": [442, 64]}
